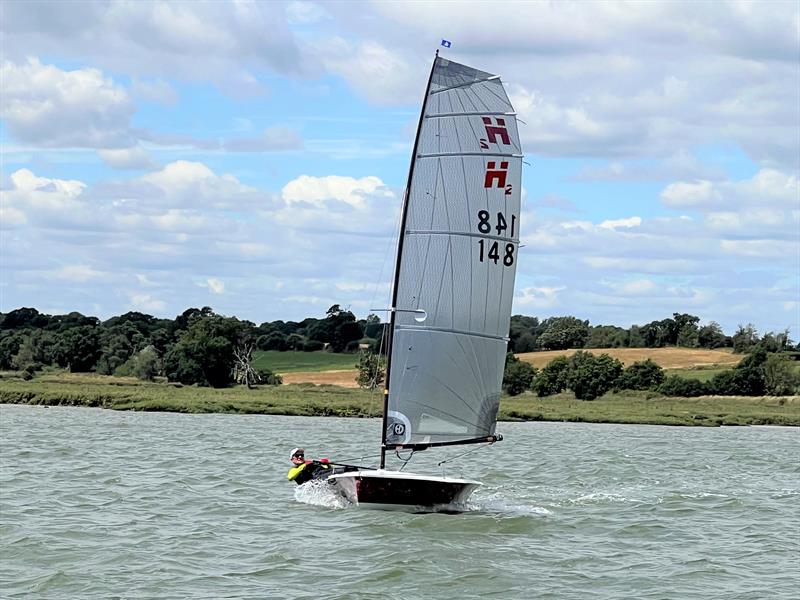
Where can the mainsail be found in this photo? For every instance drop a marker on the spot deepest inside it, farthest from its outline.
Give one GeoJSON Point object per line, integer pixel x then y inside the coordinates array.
{"type": "Point", "coordinates": [456, 263]}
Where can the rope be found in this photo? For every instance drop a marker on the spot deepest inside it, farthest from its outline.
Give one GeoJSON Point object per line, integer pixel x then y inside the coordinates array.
{"type": "Point", "coordinates": [471, 450]}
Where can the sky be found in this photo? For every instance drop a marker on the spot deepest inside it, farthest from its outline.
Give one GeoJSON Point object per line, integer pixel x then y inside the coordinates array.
{"type": "Point", "coordinates": [251, 156]}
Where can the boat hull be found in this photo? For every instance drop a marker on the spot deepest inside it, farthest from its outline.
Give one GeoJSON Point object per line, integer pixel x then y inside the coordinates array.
{"type": "Point", "coordinates": [388, 489]}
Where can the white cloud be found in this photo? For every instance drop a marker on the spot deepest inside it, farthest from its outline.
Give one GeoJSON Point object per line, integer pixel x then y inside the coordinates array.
{"type": "Point", "coordinates": [272, 139]}
{"type": "Point", "coordinates": [698, 193]}
{"type": "Point", "coordinates": [538, 298]}
{"type": "Point", "coordinates": [78, 273]}
{"type": "Point", "coordinates": [624, 223]}
{"type": "Point", "coordinates": [146, 303]}
{"type": "Point", "coordinates": [135, 157]}
{"type": "Point", "coordinates": [305, 13]}
{"type": "Point", "coordinates": [45, 105]}
{"type": "Point", "coordinates": [638, 287]}
{"type": "Point", "coordinates": [156, 90]}
{"type": "Point", "coordinates": [215, 286]}
{"type": "Point", "coordinates": [218, 42]}
{"type": "Point", "coordinates": [319, 191]}
{"type": "Point", "coordinates": [374, 71]}
{"type": "Point", "coordinates": [11, 217]}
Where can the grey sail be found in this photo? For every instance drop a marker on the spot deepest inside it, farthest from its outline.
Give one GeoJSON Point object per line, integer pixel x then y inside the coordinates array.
{"type": "Point", "coordinates": [457, 262]}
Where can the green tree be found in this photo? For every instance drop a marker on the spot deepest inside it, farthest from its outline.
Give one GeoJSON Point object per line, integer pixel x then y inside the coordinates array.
{"type": "Point", "coordinates": [78, 348]}
{"type": "Point", "coordinates": [518, 375]}
{"type": "Point", "coordinates": [274, 341]}
{"type": "Point", "coordinates": [592, 376]}
{"type": "Point", "coordinates": [780, 378]}
{"type": "Point", "coordinates": [607, 336]}
{"type": "Point", "coordinates": [745, 338]}
{"type": "Point", "coordinates": [523, 332]}
{"type": "Point", "coordinates": [204, 354]}
{"type": "Point", "coordinates": [683, 332]}
{"type": "Point", "coordinates": [745, 379]}
{"type": "Point", "coordinates": [711, 336]}
{"type": "Point", "coordinates": [641, 375]}
{"type": "Point", "coordinates": [564, 332]}
{"type": "Point", "coordinates": [552, 379]}
{"type": "Point", "coordinates": [147, 364]}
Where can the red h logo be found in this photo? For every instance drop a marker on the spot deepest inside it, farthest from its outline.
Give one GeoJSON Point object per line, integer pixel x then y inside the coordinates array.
{"type": "Point", "coordinates": [492, 131]}
{"type": "Point", "coordinates": [493, 174]}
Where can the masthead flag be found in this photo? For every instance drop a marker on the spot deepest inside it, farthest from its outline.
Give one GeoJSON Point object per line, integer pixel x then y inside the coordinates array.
{"type": "Point", "coordinates": [446, 43]}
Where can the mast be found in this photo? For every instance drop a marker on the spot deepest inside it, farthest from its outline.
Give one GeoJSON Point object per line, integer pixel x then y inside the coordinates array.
{"type": "Point", "coordinates": [393, 305]}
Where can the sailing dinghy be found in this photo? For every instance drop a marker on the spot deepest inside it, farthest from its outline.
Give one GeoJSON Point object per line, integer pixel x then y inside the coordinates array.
{"type": "Point", "coordinates": [453, 286]}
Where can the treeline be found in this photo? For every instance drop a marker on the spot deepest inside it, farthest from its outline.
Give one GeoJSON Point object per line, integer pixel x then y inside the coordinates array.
{"type": "Point", "coordinates": [205, 348]}
{"type": "Point", "coordinates": [528, 334]}
{"type": "Point", "coordinates": [762, 372]}
{"type": "Point", "coordinates": [197, 347]}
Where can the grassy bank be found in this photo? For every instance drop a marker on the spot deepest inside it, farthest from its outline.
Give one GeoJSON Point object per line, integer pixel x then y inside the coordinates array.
{"type": "Point", "coordinates": [309, 400]}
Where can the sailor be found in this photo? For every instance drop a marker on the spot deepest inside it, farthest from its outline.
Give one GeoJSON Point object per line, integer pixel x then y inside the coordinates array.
{"type": "Point", "coordinates": [305, 470]}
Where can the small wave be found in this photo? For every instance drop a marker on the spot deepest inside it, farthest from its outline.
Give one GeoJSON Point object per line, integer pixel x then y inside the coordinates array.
{"type": "Point", "coordinates": [319, 493]}
{"type": "Point", "coordinates": [497, 503]}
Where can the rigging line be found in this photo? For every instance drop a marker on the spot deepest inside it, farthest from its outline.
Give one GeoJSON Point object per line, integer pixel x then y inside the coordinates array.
{"type": "Point", "coordinates": [354, 459]}
{"type": "Point", "coordinates": [463, 454]}
{"type": "Point", "coordinates": [404, 460]}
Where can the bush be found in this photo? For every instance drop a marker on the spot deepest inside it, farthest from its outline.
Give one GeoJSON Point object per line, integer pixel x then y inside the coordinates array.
{"type": "Point", "coordinates": [552, 379]}
{"type": "Point", "coordinates": [267, 377]}
{"type": "Point", "coordinates": [641, 375]}
{"type": "Point", "coordinates": [371, 370]}
{"type": "Point", "coordinates": [780, 378]}
{"type": "Point", "coordinates": [675, 385]}
{"type": "Point", "coordinates": [746, 379]}
{"type": "Point", "coordinates": [592, 376]}
{"type": "Point", "coordinates": [312, 346]}
{"type": "Point", "coordinates": [518, 375]}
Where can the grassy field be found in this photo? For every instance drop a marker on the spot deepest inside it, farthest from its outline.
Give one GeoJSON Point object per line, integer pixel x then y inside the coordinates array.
{"type": "Point", "coordinates": [306, 399]}
{"type": "Point", "coordinates": [293, 362]}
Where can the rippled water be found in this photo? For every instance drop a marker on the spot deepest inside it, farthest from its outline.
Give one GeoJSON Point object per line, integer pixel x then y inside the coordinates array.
{"type": "Point", "coordinates": [102, 504]}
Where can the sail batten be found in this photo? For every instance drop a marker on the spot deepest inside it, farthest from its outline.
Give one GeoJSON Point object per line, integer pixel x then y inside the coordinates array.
{"type": "Point", "coordinates": [456, 264]}
{"type": "Point", "coordinates": [500, 154]}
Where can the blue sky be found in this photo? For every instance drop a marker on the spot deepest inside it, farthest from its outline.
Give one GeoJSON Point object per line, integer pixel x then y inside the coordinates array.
{"type": "Point", "coordinates": [251, 156]}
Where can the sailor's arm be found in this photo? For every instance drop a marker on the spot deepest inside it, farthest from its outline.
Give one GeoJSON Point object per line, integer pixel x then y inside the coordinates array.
{"type": "Point", "coordinates": [294, 472]}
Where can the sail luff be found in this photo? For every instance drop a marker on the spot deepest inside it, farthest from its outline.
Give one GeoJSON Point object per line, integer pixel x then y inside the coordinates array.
{"type": "Point", "coordinates": [392, 315]}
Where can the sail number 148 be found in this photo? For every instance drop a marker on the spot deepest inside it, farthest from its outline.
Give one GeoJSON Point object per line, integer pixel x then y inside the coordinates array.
{"type": "Point", "coordinates": [491, 250]}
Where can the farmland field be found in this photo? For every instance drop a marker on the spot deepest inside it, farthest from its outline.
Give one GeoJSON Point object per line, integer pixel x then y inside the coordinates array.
{"type": "Point", "coordinates": [666, 358]}
{"type": "Point", "coordinates": [339, 369]}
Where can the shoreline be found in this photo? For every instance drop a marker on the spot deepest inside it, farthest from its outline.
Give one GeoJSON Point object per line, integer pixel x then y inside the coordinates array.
{"type": "Point", "coordinates": [643, 408]}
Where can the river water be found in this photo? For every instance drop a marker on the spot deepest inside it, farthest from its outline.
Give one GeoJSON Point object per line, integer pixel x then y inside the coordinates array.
{"type": "Point", "coordinates": [103, 504]}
